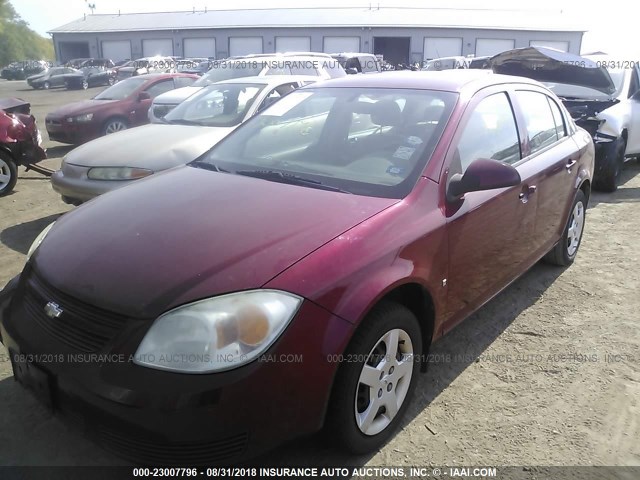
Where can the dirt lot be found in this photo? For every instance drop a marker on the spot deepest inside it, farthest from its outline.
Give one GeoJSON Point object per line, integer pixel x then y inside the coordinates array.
{"type": "Point", "coordinates": [548, 373]}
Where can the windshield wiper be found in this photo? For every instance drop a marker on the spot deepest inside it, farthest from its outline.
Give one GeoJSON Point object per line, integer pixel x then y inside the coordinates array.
{"type": "Point", "coordinates": [179, 121]}
{"type": "Point", "coordinates": [282, 177]}
{"type": "Point", "coordinates": [208, 166]}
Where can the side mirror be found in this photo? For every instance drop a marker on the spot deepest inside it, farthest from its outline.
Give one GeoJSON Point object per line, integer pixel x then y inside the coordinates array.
{"type": "Point", "coordinates": [351, 71]}
{"type": "Point", "coordinates": [482, 174]}
{"type": "Point", "coordinates": [144, 96]}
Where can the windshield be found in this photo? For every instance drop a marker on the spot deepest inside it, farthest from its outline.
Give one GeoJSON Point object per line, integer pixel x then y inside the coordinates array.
{"type": "Point", "coordinates": [380, 139]}
{"type": "Point", "coordinates": [227, 70]}
{"type": "Point", "coordinates": [220, 105]}
{"type": "Point", "coordinates": [121, 90]}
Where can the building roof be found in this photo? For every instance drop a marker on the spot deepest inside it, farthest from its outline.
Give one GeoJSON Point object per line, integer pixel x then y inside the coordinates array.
{"type": "Point", "coordinates": [364, 17]}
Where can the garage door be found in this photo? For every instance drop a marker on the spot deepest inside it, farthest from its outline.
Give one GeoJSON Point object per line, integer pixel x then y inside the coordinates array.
{"type": "Point", "coordinates": [244, 45]}
{"type": "Point", "coordinates": [562, 46]}
{"type": "Point", "coordinates": [159, 46]}
{"type": "Point", "coordinates": [442, 47]}
{"type": "Point", "coordinates": [199, 47]}
{"type": "Point", "coordinates": [293, 44]}
{"type": "Point", "coordinates": [341, 44]}
{"type": "Point", "coordinates": [492, 46]}
{"type": "Point", "coordinates": [116, 50]}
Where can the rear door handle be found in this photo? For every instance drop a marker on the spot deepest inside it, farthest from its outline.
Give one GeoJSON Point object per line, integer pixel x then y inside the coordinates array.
{"type": "Point", "coordinates": [570, 164]}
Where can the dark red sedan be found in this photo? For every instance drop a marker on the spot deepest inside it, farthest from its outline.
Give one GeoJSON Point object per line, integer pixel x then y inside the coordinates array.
{"type": "Point", "coordinates": [295, 276]}
{"type": "Point", "coordinates": [119, 107]}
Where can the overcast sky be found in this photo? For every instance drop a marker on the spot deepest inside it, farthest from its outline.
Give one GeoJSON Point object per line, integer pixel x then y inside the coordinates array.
{"type": "Point", "coordinates": [607, 30]}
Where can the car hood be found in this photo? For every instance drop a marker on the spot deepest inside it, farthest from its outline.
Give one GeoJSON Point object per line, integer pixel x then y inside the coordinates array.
{"type": "Point", "coordinates": [37, 76]}
{"type": "Point", "coordinates": [549, 65]}
{"type": "Point", "coordinates": [155, 146]}
{"type": "Point", "coordinates": [189, 234]}
{"type": "Point", "coordinates": [78, 108]}
{"type": "Point", "coordinates": [173, 97]}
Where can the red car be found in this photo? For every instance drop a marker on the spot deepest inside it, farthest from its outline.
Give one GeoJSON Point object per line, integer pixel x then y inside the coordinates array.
{"type": "Point", "coordinates": [20, 141]}
{"type": "Point", "coordinates": [119, 107]}
{"type": "Point", "coordinates": [296, 275]}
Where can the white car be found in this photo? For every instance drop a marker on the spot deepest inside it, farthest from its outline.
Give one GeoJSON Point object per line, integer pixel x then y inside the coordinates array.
{"type": "Point", "coordinates": [601, 93]}
{"type": "Point", "coordinates": [191, 129]}
{"type": "Point", "coordinates": [318, 65]}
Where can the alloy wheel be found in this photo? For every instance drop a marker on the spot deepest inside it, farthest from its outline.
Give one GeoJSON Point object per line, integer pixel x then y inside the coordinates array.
{"type": "Point", "coordinates": [115, 126]}
{"type": "Point", "coordinates": [5, 174]}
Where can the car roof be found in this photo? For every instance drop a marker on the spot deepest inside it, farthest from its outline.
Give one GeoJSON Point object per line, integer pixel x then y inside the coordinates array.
{"type": "Point", "coordinates": [445, 80]}
{"type": "Point", "coordinates": [270, 79]}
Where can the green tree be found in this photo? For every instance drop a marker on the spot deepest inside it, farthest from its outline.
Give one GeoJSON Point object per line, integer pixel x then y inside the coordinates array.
{"type": "Point", "coordinates": [18, 41]}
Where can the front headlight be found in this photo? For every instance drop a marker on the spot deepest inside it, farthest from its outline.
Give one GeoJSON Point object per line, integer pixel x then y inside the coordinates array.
{"type": "Point", "coordinates": [87, 117]}
{"type": "Point", "coordinates": [118, 173]}
{"type": "Point", "coordinates": [219, 333]}
{"type": "Point", "coordinates": [36, 243]}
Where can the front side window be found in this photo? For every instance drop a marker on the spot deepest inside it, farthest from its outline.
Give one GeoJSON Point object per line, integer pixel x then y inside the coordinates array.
{"type": "Point", "coordinates": [310, 135]}
{"type": "Point", "coordinates": [490, 133]}
{"type": "Point", "coordinates": [541, 125]}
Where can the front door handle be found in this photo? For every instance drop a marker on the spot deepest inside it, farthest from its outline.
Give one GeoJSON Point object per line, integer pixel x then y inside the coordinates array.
{"type": "Point", "coordinates": [526, 193]}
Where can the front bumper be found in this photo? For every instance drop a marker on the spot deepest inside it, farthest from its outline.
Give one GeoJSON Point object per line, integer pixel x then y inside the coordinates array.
{"type": "Point", "coordinates": [71, 133]}
{"type": "Point", "coordinates": [159, 417]}
{"type": "Point", "coordinates": [75, 187]}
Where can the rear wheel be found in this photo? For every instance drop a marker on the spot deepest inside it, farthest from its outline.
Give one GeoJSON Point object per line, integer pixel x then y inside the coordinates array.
{"type": "Point", "coordinates": [8, 174]}
{"type": "Point", "coordinates": [85, 84]}
{"type": "Point", "coordinates": [564, 253]}
{"type": "Point", "coordinates": [111, 81]}
{"type": "Point", "coordinates": [375, 380]}
{"type": "Point", "coordinates": [114, 125]}
{"type": "Point", "coordinates": [46, 85]}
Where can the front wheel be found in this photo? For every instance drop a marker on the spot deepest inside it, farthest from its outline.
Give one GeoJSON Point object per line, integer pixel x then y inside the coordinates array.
{"type": "Point", "coordinates": [608, 180]}
{"type": "Point", "coordinates": [114, 125]}
{"type": "Point", "coordinates": [85, 84]}
{"type": "Point", "coordinates": [376, 379]}
{"type": "Point", "coordinates": [111, 81]}
{"type": "Point", "coordinates": [8, 174]}
{"type": "Point", "coordinates": [564, 253]}
{"type": "Point", "coordinates": [46, 85]}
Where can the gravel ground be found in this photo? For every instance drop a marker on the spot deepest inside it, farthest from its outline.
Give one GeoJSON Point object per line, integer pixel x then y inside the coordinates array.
{"type": "Point", "coordinates": [548, 373]}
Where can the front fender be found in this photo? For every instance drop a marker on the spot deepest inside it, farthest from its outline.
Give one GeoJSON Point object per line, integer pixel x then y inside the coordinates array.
{"type": "Point", "coordinates": [615, 119]}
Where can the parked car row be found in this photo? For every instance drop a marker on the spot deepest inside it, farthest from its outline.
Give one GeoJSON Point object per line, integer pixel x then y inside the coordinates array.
{"type": "Point", "coordinates": [348, 224]}
{"type": "Point", "coordinates": [22, 70]}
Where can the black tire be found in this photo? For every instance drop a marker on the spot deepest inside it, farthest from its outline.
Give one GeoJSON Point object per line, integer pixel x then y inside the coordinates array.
{"type": "Point", "coordinates": [111, 81]}
{"type": "Point", "coordinates": [85, 84]}
{"type": "Point", "coordinates": [7, 167]}
{"type": "Point", "coordinates": [110, 123]}
{"type": "Point", "coordinates": [341, 425]}
{"type": "Point", "coordinates": [563, 254]}
{"type": "Point", "coordinates": [46, 85]}
{"type": "Point", "coordinates": [608, 180]}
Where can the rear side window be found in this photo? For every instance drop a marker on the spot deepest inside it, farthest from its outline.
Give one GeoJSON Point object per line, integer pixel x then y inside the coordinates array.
{"type": "Point", "coordinates": [540, 123]}
{"type": "Point", "coordinates": [561, 131]}
{"type": "Point", "coordinates": [183, 81]}
{"type": "Point", "coordinates": [490, 133]}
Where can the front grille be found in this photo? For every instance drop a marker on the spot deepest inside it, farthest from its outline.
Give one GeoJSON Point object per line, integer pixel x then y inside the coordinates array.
{"type": "Point", "coordinates": [81, 326]}
{"type": "Point", "coordinates": [165, 453]}
{"type": "Point", "coordinates": [159, 111]}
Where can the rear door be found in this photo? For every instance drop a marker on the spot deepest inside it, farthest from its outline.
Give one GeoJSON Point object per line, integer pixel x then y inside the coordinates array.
{"type": "Point", "coordinates": [552, 163]}
{"type": "Point", "coordinates": [488, 231]}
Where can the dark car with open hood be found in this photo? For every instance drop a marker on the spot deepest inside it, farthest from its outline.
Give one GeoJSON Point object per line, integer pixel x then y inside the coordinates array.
{"type": "Point", "coordinates": [295, 276]}
{"type": "Point", "coordinates": [602, 95]}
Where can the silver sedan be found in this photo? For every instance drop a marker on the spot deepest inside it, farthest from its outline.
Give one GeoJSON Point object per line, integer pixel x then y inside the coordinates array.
{"type": "Point", "coordinates": [188, 131]}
